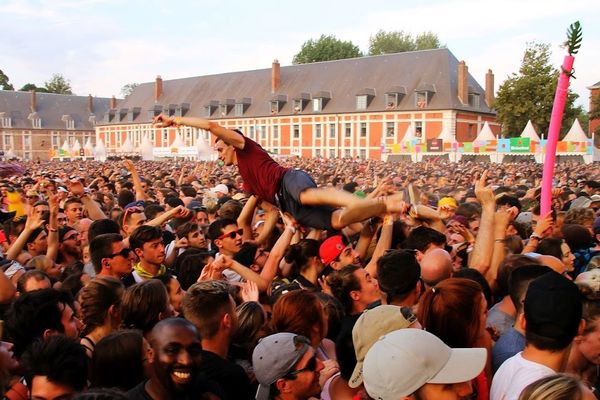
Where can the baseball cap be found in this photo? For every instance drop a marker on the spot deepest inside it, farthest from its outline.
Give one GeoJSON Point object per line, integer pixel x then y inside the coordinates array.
{"type": "Point", "coordinates": [274, 356]}
{"type": "Point", "coordinates": [370, 326]}
{"type": "Point", "coordinates": [595, 198]}
{"type": "Point", "coordinates": [553, 307]}
{"type": "Point", "coordinates": [331, 248]}
{"type": "Point", "coordinates": [402, 361]}
{"type": "Point", "coordinates": [447, 202]}
{"type": "Point", "coordinates": [220, 188]}
{"type": "Point", "coordinates": [581, 202]}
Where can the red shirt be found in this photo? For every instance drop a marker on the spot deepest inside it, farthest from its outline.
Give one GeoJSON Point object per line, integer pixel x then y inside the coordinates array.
{"type": "Point", "coordinates": [260, 172]}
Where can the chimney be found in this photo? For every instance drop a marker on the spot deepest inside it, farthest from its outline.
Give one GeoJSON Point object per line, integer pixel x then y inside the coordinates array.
{"type": "Point", "coordinates": [489, 88]}
{"type": "Point", "coordinates": [463, 82]}
{"type": "Point", "coordinates": [90, 104]}
{"type": "Point", "coordinates": [158, 88]}
{"type": "Point", "coordinates": [275, 76]}
{"type": "Point", "coordinates": [113, 103]}
{"type": "Point", "coordinates": [32, 104]}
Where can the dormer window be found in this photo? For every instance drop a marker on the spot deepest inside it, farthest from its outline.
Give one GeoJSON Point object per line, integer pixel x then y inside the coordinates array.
{"type": "Point", "coordinates": [300, 102]}
{"type": "Point", "coordinates": [423, 95]}
{"type": "Point", "coordinates": [320, 100]}
{"type": "Point", "coordinates": [363, 98]}
{"type": "Point", "coordinates": [153, 112]}
{"type": "Point", "coordinates": [210, 108]}
{"type": "Point", "coordinates": [317, 105]}
{"type": "Point", "coordinates": [277, 103]}
{"type": "Point", "coordinates": [241, 106]}
{"type": "Point", "coordinates": [474, 97]}
{"type": "Point", "coordinates": [36, 121]}
{"type": "Point", "coordinates": [182, 109]}
{"type": "Point", "coordinates": [393, 97]}
{"type": "Point", "coordinates": [225, 107]}
{"type": "Point", "coordinates": [5, 120]}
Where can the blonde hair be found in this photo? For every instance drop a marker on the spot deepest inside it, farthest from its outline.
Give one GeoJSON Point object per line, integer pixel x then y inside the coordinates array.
{"type": "Point", "coordinates": [554, 387]}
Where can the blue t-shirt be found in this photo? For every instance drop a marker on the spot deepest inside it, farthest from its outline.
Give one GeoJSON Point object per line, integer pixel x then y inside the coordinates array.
{"type": "Point", "coordinates": [507, 346]}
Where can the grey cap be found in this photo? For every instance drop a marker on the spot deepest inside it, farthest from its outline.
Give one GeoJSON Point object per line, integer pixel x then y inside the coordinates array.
{"type": "Point", "coordinates": [581, 202]}
{"type": "Point", "coordinates": [274, 357]}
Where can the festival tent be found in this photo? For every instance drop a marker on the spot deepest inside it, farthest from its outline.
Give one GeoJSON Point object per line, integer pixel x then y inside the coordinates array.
{"type": "Point", "coordinates": [10, 154]}
{"type": "Point", "coordinates": [485, 134]}
{"type": "Point", "coordinates": [147, 149]}
{"type": "Point", "coordinates": [65, 150]}
{"type": "Point", "coordinates": [576, 133]}
{"type": "Point", "coordinates": [446, 135]}
{"type": "Point", "coordinates": [76, 150]}
{"type": "Point", "coordinates": [205, 153]}
{"type": "Point", "coordinates": [100, 153]}
{"type": "Point", "coordinates": [529, 132]}
{"type": "Point", "coordinates": [177, 143]}
{"type": "Point", "coordinates": [88, 149]}
{"type": "Point", "coordinates": [409, 135]}
{"type": "Point", "coordinates": [127, 146]}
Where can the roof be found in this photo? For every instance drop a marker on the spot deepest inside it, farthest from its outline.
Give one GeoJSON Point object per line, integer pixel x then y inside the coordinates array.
{"type": "Point", "coordinates": [339, 82]}
{"type": "Point", "coordinates": [595, 86]}
{"type": "Point", "coordinates": [486, 133]}
{"type": "Point", "coordinates": [52, 109]}
{"type": "Point", "coordinates": [576, 133]}
{"type": "Point", "coordinates": [529, 132]}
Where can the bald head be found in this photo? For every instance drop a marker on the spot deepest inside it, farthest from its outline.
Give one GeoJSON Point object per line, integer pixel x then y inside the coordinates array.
{"type": "Point", "coordinates": [170, 323]}
{"type": "Point", "coordinates": [436, 265]}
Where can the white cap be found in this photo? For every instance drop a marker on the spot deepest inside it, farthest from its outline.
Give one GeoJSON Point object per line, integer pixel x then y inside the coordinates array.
{"type": "Point", "coordinates": [402, 361]}
{"type": "Point", "coordinates": [220, 188]}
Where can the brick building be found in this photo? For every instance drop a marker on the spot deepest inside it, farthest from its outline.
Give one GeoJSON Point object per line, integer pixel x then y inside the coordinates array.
{"type": "Point", "coordinates": [343, 108]}
{"type": "Point", "coordinates": [594, 123]}
{"type": "Point", "coordinates": [35, 125]}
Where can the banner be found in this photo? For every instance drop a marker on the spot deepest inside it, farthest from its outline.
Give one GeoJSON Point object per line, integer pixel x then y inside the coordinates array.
{"type": "Point", "coordinates": [519, 145]}
{"type": "Point", "coordinates": [435, 145]}
{"type": "Point", "coordinates": [562, 147]}
{"type": "Point", "coordinates": [467, 147]}
{"type": "Point", "coordinates": [503, 146]}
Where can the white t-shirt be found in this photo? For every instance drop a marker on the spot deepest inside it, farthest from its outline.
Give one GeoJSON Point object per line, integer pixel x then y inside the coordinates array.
{"type": "Point", "coordinates": [514, 375]}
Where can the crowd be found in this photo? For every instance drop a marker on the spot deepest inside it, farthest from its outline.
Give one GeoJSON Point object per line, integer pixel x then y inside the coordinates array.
{"type": "Point", "coordinates": [342, 279]}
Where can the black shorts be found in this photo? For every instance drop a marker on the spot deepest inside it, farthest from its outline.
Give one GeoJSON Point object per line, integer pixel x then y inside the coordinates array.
{"type": "Point", "coordinates": [293, 183]}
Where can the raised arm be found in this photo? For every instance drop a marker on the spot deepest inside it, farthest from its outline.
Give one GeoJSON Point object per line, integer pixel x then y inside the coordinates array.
{"type": "Point", "coordinates": [140, 194]}
{"type": "Point", "coordinates": [226, 135]}
{"type": "Point", "coordinates": [93, 208]}
{"type": "Point", "coordinates": [383, 244]}
{"type": "Point", "coordinates": [481, 257]}
{"type": "Point", "coordinates": [53, 244]}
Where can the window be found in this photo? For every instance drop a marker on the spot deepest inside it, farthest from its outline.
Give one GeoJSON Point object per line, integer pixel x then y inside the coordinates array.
{"type": "Point", "coordinates": [296, 130]}
{"type": "Point", "coordinates": [318, 104]}
{"type": "Point", "coordinates": [331, 130]}
{"type": "Point", "coordinates": [275, 107]}
{"type": "Point", "coordinates": [331, 153]}
{"type": "Point", "coordinates": [26, 141]}
{"type": "Point", "coordinates": [317, 152]}
{"type": "Point", "coordinates": [298, 105]}
{"type": "Point", "coordinates": [239, 110]}
{"type": "Point", "coordinates": [251, 133]}
{"type": "Point", "coordinates": [37, 123]}
{"type": "Point", "coordinates": [347, 129]}
{"type": "Point", "coordinates": [27, 155]}
{"type": "Point", "coordinates": [208, 110]}
{"type": "Point", "coordinates": [421, 99]}
{"type": "Point", "coordinates": [474, 100]}
{"type": "Point", "coordinates": [165, 136]}
{"type": "Point", "coordinates": [389, 129]}
{"type": "Point", "coordinates": [276, 132]}
{"type": "Point", "coordinates": [418, 129]}
{"type": "Point", "coordinates": [7, 140]}
{"type": "Point", "coordinates": [223, 109]}
{"type": "Point", "coordinates": [318, 130]}
{"type": "Point", "coordinates": [391, 100]}
{"type": "Point", "coordinates": [6, 122]}
{"type": "Point", "coordinates": [361, 102]}
{"type": "Point", "coordinates": [363, 154]}
{"type": "Point", "coordinates": [363, 129]}
{"type": "Point", "coordinates": [70, 124]}
{"type": "Point", "coordinates": [55, 140]}
{"type": "Point", "coordinates": [347, 153]}
{"type": "Point", "coordinates": [263, 132]}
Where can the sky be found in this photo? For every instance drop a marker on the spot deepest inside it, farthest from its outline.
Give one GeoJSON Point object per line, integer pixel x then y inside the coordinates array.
{"type": "Point", "coordinates": [101, 45]}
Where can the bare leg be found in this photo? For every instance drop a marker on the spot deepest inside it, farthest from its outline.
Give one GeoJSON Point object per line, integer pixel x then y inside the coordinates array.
{"type": "Point", "coordinates": [327, 197]}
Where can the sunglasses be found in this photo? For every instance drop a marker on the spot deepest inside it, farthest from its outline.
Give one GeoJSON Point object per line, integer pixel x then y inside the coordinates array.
{"type": "Point", "coordinates": [311, 366]}
{"type": "Point", "coordinates": [232, 234]}
{"type": "Point", "coordinates": [123, 253]}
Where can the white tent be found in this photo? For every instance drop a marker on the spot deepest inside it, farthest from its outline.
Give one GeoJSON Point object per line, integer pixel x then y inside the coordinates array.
{"type": "Point", "coordinates": [409, 134]}
{"type": "Point", "coordinates": [205, 153]}
{"type": "Point", "coordinates": [76, 150]}
{"type": "Point", "coordinates": [88, 149]}
{"type": "Point", "coordinates": [485, 134]}
{"type": "Point", "coordinates": [446, 135]}
{"type": "Point", "coordinates": [177, 143]}
{"type": "Point", "coordinates": [529, 132]}
{"type": "Point", "coordinates": [10, 154]}
{"type": "Point", "coordinates": [127, 146]}
{"type": "Point", "coordinates": [66, 148]}
{"type": "Point", "coordinates": [100, 153]}
{"type": "Point", "coordinates": [147, 149]}
{"type": "Point", "coordinates": [576, 133]}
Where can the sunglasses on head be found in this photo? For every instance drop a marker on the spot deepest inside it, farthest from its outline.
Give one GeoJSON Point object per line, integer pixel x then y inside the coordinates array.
{"type": "Point", "coordinates": [232, 234]}
{"type": "Point", "coordinates": [124, 253]}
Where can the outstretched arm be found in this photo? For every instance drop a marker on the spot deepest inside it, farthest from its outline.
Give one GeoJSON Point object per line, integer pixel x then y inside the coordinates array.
{"type": "Point", "coordinates": [226, 135]}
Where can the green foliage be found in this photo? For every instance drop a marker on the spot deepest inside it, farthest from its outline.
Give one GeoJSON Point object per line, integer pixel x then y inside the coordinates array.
{"type": "Point", "coordinates": [326, 48]}
{"type": "Point", "coordinates": [31, 86]}
{"type": "Point", "coordinates": [4, 84]}
{"type": "Point", "coordinates": [127, 89]}
{"type": "Point", "coordinates": [574, 37]}
{"type": "Point", "coordinates": [399, 41]}
{"type": "Point", "coordinates": [58, 84]}
{"type": "Point", "coordinates": [529, 95]}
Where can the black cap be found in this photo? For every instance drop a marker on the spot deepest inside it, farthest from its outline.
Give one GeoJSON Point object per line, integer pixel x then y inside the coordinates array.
{"type": "Point", "coordinates": [553, 307]}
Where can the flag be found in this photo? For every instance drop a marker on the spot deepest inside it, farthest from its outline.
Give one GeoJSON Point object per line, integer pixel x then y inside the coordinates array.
{"type": "Point", "coordinates": [503, 146]}
{"type": "Point", "coordinates": [467, 147]}
{"type": "Point", "coordinates": [519, 145]}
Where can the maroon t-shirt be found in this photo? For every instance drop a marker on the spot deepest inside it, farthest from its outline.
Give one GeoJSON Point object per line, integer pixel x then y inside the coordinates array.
{"type": "Point", "coordinates": [260, 172]}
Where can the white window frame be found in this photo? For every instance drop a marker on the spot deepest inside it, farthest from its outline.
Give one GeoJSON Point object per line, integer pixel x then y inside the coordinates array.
{"type": "Point", "coordinates": [276, 132]}
{"type": "Point", "coordinates": [332, 130]}
{"type": "Point", "coordinates": [348, 129]}
{"type": "Point", "coordinates": [362, 101]}
{"type": "Point", "coordinates": [391, 100]}
{"type": "Point", "coordinates": [318, 131]}
{"type": "Point", "coordinates": [238, 110]}
{"type": "Point", "coordinates": [390, 132]}
{"type": "Point", "coordinates": [295, 131]}
{"type": "Point", "coordinates": [317, 104]}
{"type": "Point", "coordinates": [364, 129]}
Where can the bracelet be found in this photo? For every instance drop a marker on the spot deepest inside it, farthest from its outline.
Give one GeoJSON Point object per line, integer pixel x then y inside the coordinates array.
{"type": "Point", "coordinates": [536, 237]}
{"type": "Point", "coordinates": [499, 240]}
{"type": "Point", "coordinates": [388, 220]}
{"type": "Point", "coordinates": [52, 230]}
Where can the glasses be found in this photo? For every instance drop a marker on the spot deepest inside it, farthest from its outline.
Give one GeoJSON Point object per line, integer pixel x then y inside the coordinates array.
{"type": "Point", "coordinates": [311, 366]}
{"type": "Point", "coordinates": [123, 253]}
{"type": "Point", "coordinates": [131, 210]}
{"type": "Point", "coordinates": [232, 234]}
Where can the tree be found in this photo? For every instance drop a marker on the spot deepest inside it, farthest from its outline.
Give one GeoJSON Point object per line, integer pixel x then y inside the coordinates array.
{"type": "Point", "coordinates": [529, 95]}
{"type": "Point", "coordinates": [399, 41]}
{"type": "Point", "coordinates": [31, 86]}
{"type": "Point", "coordinates": [58, 84]}
{"type": "Point", "coordinates": [4, 84]}
{"type": "Point", "coordinates": [326, 48]}
{"type": "Point", "coordinates": [126, 90]}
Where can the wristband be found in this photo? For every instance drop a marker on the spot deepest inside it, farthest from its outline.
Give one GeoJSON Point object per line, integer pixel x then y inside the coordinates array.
{"type": "Point", "coordinates": [535, 236]}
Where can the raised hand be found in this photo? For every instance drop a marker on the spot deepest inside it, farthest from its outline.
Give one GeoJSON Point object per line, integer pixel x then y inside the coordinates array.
{"type": "Point", "coordinates": [163, 121]}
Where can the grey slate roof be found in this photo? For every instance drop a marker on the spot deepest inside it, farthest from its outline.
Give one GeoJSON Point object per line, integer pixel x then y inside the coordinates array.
{"type": "Point", "coordinates": [432, 70]}
{"type": "Point", "coordinates": [53, 109]}
{"type": "Point", "coordinates": [595, 86]}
